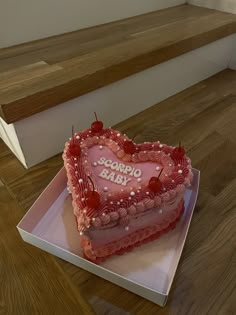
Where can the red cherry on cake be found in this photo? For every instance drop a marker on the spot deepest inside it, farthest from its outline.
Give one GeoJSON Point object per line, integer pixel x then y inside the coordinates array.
{"type": "Point", "coordinates": [178, 153]}
{"type": "Point", "coordinates": [155, 183]}
{"type": "Point", "coordinates": [97, 125]}
{"type": "Point", "coordinates": [92, 197]}
{"type": "Point", "coordinates": [129, 147]}
{"type": "Point", "coordinates": [75, 149]}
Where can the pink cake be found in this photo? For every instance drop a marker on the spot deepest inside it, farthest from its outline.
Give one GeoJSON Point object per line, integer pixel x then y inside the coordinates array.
{"type": "Point", "coordinates": [123, 194]}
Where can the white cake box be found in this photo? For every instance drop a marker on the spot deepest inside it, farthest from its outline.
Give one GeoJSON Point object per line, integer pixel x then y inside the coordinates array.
{"type": "Point", "coordinates": [147, 271]}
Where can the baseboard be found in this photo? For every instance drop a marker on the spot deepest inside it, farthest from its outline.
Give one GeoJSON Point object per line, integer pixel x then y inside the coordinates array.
{"type": "Point", "coordinates": [43, 135]}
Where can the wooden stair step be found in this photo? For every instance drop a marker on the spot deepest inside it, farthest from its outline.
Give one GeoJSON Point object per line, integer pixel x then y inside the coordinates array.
{"type": "Point", "coordinates": [44, 73]}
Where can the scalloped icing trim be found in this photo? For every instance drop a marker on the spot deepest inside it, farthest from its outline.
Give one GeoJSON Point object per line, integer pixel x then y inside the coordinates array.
{"type": "Point", "coordinates": [144, 152]}
{"type": "Point", "coordinates": [128, 243]}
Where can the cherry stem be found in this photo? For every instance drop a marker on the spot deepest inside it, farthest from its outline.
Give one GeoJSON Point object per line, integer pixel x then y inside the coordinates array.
{"type": "Point", "coordinates": [179, 145]}
{"type": "Point", "coordinates": [96, 116]}
{"type": "Point", "coordinates": [73, 140]}
{"type": "Point", "coordinates": [91, 182]}
{"type": "Point", "coordinates": [160, 173]}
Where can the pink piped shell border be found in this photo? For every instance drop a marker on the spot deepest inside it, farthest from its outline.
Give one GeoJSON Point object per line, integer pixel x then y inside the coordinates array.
{"type": "Point", "coordinates": [107, 215]}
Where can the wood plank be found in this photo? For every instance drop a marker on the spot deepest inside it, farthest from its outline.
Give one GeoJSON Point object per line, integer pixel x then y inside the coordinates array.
{"type": "Point", "coordinates": [205, 281]}
{"type": "Point", "coordinates": [93, 58]}
{"type": "Point", "coordinates": [22, 74]}
{"type": "Point", "coordinates": [27, 284]}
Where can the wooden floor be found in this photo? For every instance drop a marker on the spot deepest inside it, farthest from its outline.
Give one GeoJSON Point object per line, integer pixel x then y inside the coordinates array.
{"type": "Point", "coordinates": [203, 117]}
{"type": "Point", "coordinates": [38, 75]}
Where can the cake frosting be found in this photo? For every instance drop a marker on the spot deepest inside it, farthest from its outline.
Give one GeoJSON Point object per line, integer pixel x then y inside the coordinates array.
{"type": "Point", "coordinates": [115, 206]}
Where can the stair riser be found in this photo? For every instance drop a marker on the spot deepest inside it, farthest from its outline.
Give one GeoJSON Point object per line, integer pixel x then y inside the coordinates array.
{"type": "Point", "coordinates": [43, 135]}
{"type": "Point", "coordinates": [67, 16]}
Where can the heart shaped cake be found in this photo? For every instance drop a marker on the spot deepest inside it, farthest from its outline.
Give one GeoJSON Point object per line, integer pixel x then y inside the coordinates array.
{"type": "Point", "coordinates": [123, 194]}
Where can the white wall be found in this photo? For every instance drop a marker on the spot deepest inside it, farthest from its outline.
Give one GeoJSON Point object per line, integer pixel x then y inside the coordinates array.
{"type": "Point", "coordinates": [232, 63]}
{"type": "Point", "coordinates": [224, 5]}
{"type": "Point", "coordinates": [26, 20]}
{"type": "Point", "coordinates": [9, 136]}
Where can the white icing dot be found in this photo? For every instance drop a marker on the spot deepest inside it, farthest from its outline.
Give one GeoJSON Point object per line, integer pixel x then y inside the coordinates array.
{"type": "Point", "coordinates": [164, 189]}
{"type": "Point", "coordinates": [121, 200]}
{"type": "Point", "coordinates": [139, 180]}
{"type": "Point", "coordinates": [118, 134]}
{"type": "Point", "coordinates": [158, 168]}
{"type": "Point", "coordinates": [93, 219]}
{"type": "Point", "coordinates": [111, 202]}
{"type": "Point", "coordinates": [161, 145]}
{"type": "Point", "coordinates": [77, 137]}
{"type": "Point", "coordinates": [138, 191]}
{"type": "Point", "coordinates": [80, 181]}
{"type": "Point", "coordinates": [179, 165]}
{"type": "Point", "coordinates": [160, 211]}
{"type": "Point", "coordinates": [132, 193]}
{"type": "Point", "coordinates": [105, 188]}
{"type": "Point", "coordinates": [95, 164]}
{"type": "Point", "coordinates": [75, 159]}
{"type": "Point", "coordinates": [84, 211]}
{"type": "Point", "coordinates": [81, 233]}
{"type": "Point", "coordinates": [118, 203]}
{"type": "Point", "coordinates": [97, 138]}
{"type": "Point", "coordinates": [172, 181]}
{"type": "Point", "coordinates": [73, 187]}
{"type": "Point", "coordinates": [166, 175]}
{"type": "Point", "coordinates": [129, 198]}
{"type": "Point", "coordinates": [145, 152]}
{"type": "Point", "coordinates": [127, 228]}
{"type": "Point", "coordinates": [180, 171]}
{"type": "Point", "coordinates": [83, 199]}
{"type": "Point", "coordinates": [158, 151]}
{"type": "Point", "coordinates": [109, 195]}
{"type": "Point", "coordinates": [152, 145]}
{"type": "Point", "coordinates": [170, 164]}
{"type": "Point", "coordinates": [104, 213]}
{"type": "Point", "coordinates": [147, 192]}
{"type": "Point", "coordinates": [86, 190]}
{"type": "Point", "coordinates": [90, 131]}
{"type": "Point", "coordinates": [100, 147]}
{"type": "Point", "coordinates": [85, 161]}
{"type": "Point", "coordinates": [76, 164]}
{"type": "Point", "coordinates": [135, 203]}
{"type": "Point", "coordinates": [139, 187]}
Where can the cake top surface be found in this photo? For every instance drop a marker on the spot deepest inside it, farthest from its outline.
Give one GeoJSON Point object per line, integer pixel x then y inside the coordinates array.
{"type": "Point", "coordinates": [108, 173]}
